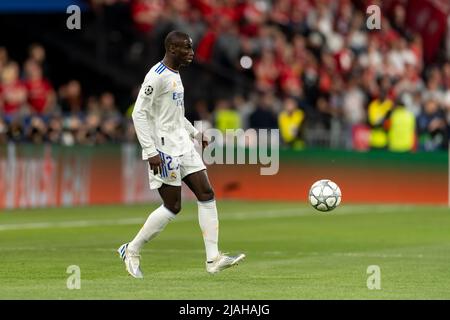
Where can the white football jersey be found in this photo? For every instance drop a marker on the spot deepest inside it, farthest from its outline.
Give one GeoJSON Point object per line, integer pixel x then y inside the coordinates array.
{"type": "Point", "coordinates": [158, 114]}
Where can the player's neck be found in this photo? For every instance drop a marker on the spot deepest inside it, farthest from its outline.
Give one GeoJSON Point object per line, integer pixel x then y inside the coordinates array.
{"type": "Point", "coordinates": [171, 64]}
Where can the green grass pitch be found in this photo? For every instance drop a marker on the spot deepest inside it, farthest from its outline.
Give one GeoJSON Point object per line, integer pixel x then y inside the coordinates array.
{"type": "Point", "coordinates": [293, 252]}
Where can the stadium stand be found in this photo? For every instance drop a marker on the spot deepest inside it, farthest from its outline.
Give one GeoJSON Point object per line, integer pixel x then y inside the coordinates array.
{"type": "Point", "coordinates": [310, 68]}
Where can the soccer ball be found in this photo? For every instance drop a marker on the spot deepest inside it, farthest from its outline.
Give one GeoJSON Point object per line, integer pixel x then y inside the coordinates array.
{"type": "Point", "coordinates": [324, 195]}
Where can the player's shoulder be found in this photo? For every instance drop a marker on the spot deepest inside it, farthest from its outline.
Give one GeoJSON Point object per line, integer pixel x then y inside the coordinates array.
{"type": "Point", "coordinates": [158, 69]}
{"type": "Point", "coordinates": [160, 72]}
{"type": "Point", "coordinates": [153, 73]}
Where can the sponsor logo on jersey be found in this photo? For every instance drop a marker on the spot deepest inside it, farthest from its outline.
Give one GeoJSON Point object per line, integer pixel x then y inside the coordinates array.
{"type": "Point", "coordinates": [178, 98]}
{"type": "Point", "coordinates": [178, 95]}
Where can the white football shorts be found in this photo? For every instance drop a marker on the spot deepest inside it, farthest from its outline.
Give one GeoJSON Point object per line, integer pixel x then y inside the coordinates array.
{"type": "Point", "coordinates": [175, 168]}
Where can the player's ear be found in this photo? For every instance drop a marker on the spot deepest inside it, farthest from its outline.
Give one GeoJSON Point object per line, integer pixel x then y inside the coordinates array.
{"type": "Point", "coordinates": [172, 48]}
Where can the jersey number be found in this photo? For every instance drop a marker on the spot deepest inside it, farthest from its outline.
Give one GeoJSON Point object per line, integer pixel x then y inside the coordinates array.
{"type": "Point", "coordinates": [169, 163]}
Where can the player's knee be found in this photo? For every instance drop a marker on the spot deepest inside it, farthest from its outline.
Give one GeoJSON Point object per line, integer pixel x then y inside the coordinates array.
{"type": "Point", "coordinates": [175, 208]}
{"type": "Point", "coordinates": [206, 195]}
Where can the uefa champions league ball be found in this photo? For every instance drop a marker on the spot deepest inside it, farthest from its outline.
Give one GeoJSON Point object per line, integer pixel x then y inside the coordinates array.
{"type": "Point", "coordinates": [325, 195]}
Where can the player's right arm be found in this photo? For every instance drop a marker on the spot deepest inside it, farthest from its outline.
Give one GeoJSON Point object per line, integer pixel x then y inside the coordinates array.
{"type": "Point", "coordinates": [144, 103]}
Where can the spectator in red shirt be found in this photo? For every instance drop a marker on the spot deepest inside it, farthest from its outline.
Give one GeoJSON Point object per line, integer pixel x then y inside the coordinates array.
{"type": "Point", "coordinates": [253, 18]}
{"type": "Point", "coordinates": [230, 10]}
{"type": "Point", "coordinates": [327, 72]}
{"type": "Point", "coordinates": [387, 35]}
{"type": "Point", "coordinates": [206, 45]}
{"type": "Point", "coordinates": [145, 13]}
{"type": "Point", "coordinates": [205, 7]}
{"type": "Point", "coordinates": [267, 71]}
{"type": "Point", "coordinates": [39, 88]}
{"type": "Point", "coordinates": [290, 73]}
{"type": "Point", "coordinates": [13, 93]}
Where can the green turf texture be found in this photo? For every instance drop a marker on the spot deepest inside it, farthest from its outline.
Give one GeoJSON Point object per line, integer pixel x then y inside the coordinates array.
{"type": "Point", "coordinates": [293, 252]}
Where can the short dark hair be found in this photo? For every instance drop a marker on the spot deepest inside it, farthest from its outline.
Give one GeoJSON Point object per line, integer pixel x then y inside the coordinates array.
{"type": "Point", "coordinates": [174, 37]}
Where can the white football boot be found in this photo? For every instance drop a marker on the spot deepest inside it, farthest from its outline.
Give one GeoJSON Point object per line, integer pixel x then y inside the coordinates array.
{"type": "Point", "coordinates": [132, 261]}
{"type": "Point", "coordinates": [222, 262]}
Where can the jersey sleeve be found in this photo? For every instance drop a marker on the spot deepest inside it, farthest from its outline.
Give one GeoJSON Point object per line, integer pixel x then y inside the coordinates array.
{"type": "Point", "coordinates": [193, 132]}
{"type": "Point", "coordinates": [144, 103]}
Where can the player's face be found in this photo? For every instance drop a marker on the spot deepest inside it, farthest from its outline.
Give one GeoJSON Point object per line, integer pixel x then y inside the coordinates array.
{"type": "Point", "coordinates": [185, 52]}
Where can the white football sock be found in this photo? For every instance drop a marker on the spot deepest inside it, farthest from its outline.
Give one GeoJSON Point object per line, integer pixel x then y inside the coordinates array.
{"type": "Point", "coordinates": [156, 222]}
{"type": "Point", "coordinates": [209, 224]}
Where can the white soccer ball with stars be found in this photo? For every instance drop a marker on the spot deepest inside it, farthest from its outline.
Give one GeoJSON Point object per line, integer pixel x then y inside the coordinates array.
{"type": "Point", "coordinates": [325, 195]}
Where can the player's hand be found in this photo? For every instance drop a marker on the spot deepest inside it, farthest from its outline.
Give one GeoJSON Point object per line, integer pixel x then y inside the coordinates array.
{"type": "Point", "coordinates": [155, 164]}
{"type": "Point", "coordinates": [205, 142]}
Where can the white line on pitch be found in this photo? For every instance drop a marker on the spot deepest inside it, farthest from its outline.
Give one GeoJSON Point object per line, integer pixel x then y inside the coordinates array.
{"type": "Point", "coordinates": [266, 253]}
{"type": "Point", "coordinates": [245, 215]}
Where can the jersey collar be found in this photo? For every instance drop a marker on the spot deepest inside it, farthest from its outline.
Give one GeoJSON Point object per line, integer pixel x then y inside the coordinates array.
{"type": "Point", "coordinates": [170, 69]}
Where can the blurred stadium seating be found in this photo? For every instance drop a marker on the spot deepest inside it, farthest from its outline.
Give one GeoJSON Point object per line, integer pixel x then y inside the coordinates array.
{"type": "Point", "coordinates": [310, 68]}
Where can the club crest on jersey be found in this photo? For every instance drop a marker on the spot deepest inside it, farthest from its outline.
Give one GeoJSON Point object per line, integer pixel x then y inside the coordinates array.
{"type": "Point", "coordinates": [173, 175]}
{"type": "Point", "coordinates": [148, 90]}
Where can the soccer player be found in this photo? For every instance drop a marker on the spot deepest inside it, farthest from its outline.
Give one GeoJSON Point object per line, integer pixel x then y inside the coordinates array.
{"type": "Point", "coordinates": [166, 138]}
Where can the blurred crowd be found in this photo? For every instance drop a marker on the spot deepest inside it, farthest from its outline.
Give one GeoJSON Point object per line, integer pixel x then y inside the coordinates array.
{"type": "Point", "coordinates": [33, 110]}
{"type": "Point", "coordinates": [314, 64]}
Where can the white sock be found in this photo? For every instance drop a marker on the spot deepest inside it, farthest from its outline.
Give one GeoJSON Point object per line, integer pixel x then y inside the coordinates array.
{"type": "Point", "coordinates": [209, 224]}
{"type": "Point", "coordinates": [156, 222]}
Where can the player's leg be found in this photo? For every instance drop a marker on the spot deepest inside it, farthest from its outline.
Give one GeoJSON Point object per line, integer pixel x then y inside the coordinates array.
{"type": "Point", "coordinates": [159, 218]}
{"type": "Point", "coordinates": [168, 183]}
{"type": "Point", "coordinates": [207, 212]}
{"type": "Point", "coordinates": [199, 183]}
{"type": "Point", "coordinates": [155, 223]}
